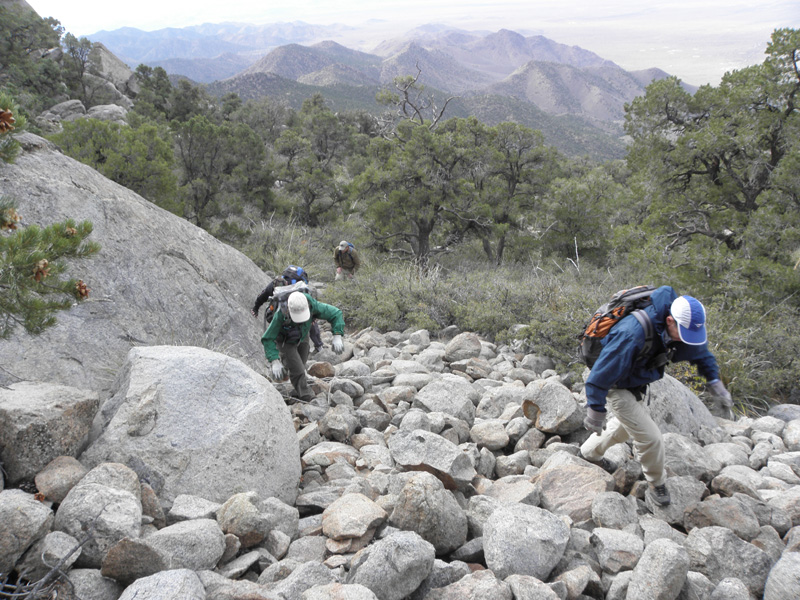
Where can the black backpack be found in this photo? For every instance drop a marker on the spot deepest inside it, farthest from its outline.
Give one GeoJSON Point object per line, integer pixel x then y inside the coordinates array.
{"type": "Point", "coordinates": [280, 298]}
{"type": "Point", "coordinates": [620, 305]}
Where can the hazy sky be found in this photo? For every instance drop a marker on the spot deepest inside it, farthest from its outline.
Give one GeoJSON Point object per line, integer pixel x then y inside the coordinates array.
{"type": "Point", "coordinates": [696, 40]}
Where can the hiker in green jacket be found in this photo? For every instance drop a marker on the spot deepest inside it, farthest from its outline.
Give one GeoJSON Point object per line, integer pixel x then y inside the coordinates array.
{"type": "Point", "coordinates": [286, 339]}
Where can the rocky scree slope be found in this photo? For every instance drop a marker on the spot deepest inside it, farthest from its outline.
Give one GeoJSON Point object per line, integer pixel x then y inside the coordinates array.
{"type": "Point", "coordinates": [423, 469]}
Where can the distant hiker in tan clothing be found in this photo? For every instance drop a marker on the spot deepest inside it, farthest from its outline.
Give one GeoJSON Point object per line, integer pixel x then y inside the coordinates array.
{"type": "Point", "coordinates": [346, 259]}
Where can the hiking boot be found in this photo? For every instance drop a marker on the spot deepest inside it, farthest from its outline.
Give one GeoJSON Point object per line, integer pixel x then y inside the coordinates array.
{"type": "Point", "coordinates": [660, 494]}
{"type": "Point", "coordinates": [603, 463]}
{"type": "Point", "coordinates": [296, 395]}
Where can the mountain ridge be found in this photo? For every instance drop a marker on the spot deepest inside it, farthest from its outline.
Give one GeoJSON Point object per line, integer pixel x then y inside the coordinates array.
{"type": "Point", "coordinates": [495, 72]}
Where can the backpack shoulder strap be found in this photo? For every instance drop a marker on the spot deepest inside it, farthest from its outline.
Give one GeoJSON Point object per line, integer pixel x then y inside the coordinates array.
{"type": "Point", "coordinates": [649, 330]}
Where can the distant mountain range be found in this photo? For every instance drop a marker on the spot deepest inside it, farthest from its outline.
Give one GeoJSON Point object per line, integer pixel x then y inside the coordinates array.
{"type": "Point", "coordinates": [573, 95]}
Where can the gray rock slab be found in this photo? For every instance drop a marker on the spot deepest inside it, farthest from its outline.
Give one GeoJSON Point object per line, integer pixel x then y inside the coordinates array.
{"type": "Point", "coordinates": [427, 508]}
{"type": "Point", "coordinates": [475, 586]}
{"type": "Point", "coordinates": [394, 566]}
{"type": "Point", "coordinates": [783, 582]}
{"type": "Point", "coordinates": [552, 407]}
{"type": "Point", "coordinates": [151, 262]}
{"type": "Point", "coordinates": [524, 540]}
{"type": "Point", "coordinates": [40, 422]}
{"type": "Point", "coordinates": [675, 408]}
{"type": "Point", "coordinates": [421, 450]}
{"type": "Point", "coordinates": [351, 516]}
{"type": "Point", "coordinates": [660, 573]}
{"type": "Point", "coordinates": [616, 550]}
{"type": "Point", "coordinates": [186, 507]}
{"type": "Point", "coordinates": [194, 545]}
{"type": "Point", "coordinates": [107, 502]}
{"type": "Point", "coordinates": [613, 510]}
{"type": "Point", "coordinates": [24, 521]}
{"type": "Point", "coordinates": [89, 584]}
{"type": "Point", "coordinates": [525, 587]}
{"type": "Point", "coordinates": [59, 477]}
{"type": "Point", "coordinates": [303, 578]}
{"type": "Point", "coordinates": [570, 484]}
{"type": "Point", "coordinates": [339, 591]}
{"type": "Point", "coordinates": [718, 553]}
{"type": "Point", "coordinates": [451, 395]}
{"type": "Point", "coordinates": [685, 457]}
{"type": "Point", "coordinates": [785, 412]}
{"type": "Point", "coordinates": [193, 421]}
{"type": "Point", "coordinates": [178, 584]}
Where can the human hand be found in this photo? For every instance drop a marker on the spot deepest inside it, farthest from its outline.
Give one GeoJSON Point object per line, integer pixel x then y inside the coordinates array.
{"type": "Point", "coordinates": [253, 312]}
{"type": "Point", "coordinates": [337, 344]}
{"type": "Point", "coordinates": [339, 270]}
{"type": "Point", "coordinates": [595, 420]}
{"type": "Point", "coordinates": [278, 372]}
{"type": "Point", "coordinates": [718, 389]}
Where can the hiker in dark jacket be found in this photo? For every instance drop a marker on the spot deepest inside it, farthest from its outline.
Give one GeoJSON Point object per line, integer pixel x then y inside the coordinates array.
{"type": "Point", "coordinates": [291, 274]}
{"type": "Point", "coordinates": [286, 339]}
{"type": "Point", "coordinates": [620, 377]}
{"type": "Point", "coordinates": [346, 259]}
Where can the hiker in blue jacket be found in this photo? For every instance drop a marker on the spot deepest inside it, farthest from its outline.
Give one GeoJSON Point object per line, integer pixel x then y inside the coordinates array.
{"type": "Point", "coordinates": [620, 376]}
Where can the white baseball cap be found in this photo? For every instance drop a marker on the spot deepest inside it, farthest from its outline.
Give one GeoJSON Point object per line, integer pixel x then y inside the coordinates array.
{"type": "Point", "coordinates": [299, 311]}
{"type": "Point", "coordinates": [690, 315]}
{"type": "Point", "coordinates": [343, 245]}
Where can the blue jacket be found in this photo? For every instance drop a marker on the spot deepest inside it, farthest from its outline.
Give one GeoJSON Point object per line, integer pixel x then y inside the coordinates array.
{"type": "Point", "coordinates": [618, 367]}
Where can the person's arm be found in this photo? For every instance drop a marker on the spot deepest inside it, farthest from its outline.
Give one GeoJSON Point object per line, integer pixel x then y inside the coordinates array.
{"type": "Point", "coordinates": [270, 336]}
{"type": "Point", "coordinates": [330, 313]}
{"type": "Point", "coordinates": [263, 297]}
{"type": "Point", "coordinates": [356, 260]}
{"type": "Point", "coordinates": [615, 361]}
{"type": "Point", "coordinates": [707, 366]}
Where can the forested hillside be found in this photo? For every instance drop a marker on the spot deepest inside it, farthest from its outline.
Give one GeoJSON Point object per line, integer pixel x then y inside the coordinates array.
{"type": "Point", "coordinates": [474, 223]}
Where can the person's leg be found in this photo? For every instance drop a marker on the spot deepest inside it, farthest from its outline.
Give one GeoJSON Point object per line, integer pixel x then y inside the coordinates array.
{"type": "Point", "coordinates": [647, 441]}
{"type": "Point", "coordinates": [596, 445]}
{"type": "Point", "coordinates": [294, 358]}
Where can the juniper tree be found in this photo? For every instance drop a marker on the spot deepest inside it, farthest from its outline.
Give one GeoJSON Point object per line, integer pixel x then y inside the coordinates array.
{"type": "Point", "coordinates": [33, 259]}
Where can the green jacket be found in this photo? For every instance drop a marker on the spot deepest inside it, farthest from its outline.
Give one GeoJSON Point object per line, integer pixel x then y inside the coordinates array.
{"type": "Point", "coordinates": [319, 310]}
{"type": "Point", "coordinates": [347, 259]}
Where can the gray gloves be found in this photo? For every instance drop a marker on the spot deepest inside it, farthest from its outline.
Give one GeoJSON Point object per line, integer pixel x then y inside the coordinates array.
{"type": "Point", "coordinates": [595, 421]}
{"type": "Point", "coordinates": [277, 370]}
{"type": "Point", "coordinates": [717, 388]}
{"type": "Point", "coordinates": [337, 344]}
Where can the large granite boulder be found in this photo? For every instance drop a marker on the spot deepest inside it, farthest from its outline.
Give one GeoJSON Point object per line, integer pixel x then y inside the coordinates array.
{"type": "Point", "coordinates": [24, 521]}
{"type": "Point", "coordinates": [40, 422]}
{"type": "Point", "coordinates": [676, 409]}
{"type": "Point", "coordinates": [157, 279]}
{"type": "Point", "coordinates": [106, 503]}
{"type": "Point", "coordinates": [112, 69]}
{"type": "Point", "coordinates": [193, 421]}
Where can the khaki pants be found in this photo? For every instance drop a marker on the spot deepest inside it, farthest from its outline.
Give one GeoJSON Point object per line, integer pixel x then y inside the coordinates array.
{"type": "Point", "coordinates": [344, 274]}
{"type": "Point", "coordinates": [294, 357]}
{"type": "Point", "coordinates": [630, 420]}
